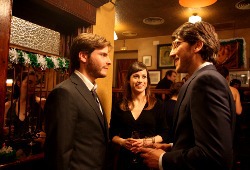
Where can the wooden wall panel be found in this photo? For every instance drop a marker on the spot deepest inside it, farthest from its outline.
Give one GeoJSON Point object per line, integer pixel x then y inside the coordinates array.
{"type": "Point", "coordinates": [5, 18]}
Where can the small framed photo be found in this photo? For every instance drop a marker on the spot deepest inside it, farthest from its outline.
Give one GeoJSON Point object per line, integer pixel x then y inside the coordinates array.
{"type": "Point", "coordinates": [155, 76]}
{"type": "Point", "coordinates": [147, 60]}
{"type": "Point", "coordinates": [163, 56]}
{"type": "Point", "coordinates": [242, 76]}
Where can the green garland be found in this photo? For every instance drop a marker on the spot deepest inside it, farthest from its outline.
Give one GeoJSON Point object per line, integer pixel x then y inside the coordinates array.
{"type": "Point", "coordinates": [24, 58]}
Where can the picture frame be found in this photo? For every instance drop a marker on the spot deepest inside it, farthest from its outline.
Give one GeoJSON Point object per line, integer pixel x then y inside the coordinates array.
{"type": "Point", "coordinates": [163, 56]}
{"type": "Point", "coordinates": [155, 76]}
{"type": "Point", "coordinates": [243, 76]}
{"type": "Point", "coordinates": [147, 60]}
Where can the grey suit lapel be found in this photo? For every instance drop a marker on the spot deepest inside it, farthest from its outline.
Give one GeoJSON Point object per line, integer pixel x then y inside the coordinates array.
{"type": "Point", "coordinates": [83, 90]}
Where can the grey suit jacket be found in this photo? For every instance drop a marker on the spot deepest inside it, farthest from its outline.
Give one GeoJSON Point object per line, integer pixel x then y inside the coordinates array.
{"type": "Point", "coordinates": [203, 125]}
{"type": "Point", "coordinates": [77, 133]}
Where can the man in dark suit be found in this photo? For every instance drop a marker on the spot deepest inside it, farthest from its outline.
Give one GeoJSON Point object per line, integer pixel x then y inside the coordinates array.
{"type": "Point", "coordinates": [76, 126]}
{"type": "Point", "coordinates": [167, 81]}
{"type": "Point", "coordinates": [205, 111]}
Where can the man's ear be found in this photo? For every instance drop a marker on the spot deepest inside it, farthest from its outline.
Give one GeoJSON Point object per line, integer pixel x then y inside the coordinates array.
{"type": "Point", "coordinates": [198, 46]}
{"type": "Point", "coordinates": [83, 56]}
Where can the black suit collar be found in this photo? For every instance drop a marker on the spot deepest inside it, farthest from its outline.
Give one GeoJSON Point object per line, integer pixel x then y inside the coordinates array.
{"type": "Point", "coordinates": [183, 91]}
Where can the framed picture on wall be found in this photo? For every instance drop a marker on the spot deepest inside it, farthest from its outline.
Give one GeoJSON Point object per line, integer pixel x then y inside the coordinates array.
{"type": "Point", "coordinates": [147, 60]}
{"type": "Point", "coordinates": [155, 76]}
{"type": "Point", "coordinates": [243, 76]}
{"type": "Point", "coordinates": [163, 58]}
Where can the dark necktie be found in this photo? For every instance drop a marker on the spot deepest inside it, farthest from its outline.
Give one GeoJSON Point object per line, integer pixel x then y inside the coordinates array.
{"type": "Point", "coordinates": [95, 97]}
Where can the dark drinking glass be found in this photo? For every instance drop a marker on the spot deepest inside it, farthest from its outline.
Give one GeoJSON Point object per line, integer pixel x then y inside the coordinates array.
{"type": "Point", "coordinates": [135, 157]}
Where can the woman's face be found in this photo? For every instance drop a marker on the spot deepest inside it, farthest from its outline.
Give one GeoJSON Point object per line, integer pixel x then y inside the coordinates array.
{"type": "Point", "coordinates": [29, 84]}
{"type": "Point", "coordinates": [139, 81]}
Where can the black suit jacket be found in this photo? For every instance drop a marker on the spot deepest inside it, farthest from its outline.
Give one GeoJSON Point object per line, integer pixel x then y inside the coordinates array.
{"type": "Point", "coordinates": [164, 83]}
{"type": "Point", "coordinates": [203, 124]}
{"type": "Point", "coordinates": [77, 133]}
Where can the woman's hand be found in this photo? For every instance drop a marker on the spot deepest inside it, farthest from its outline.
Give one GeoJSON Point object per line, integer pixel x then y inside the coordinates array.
{"type": "Point", "coordinates": [126, 143]}
{"type": "Point", "coordinates": [136, 144]}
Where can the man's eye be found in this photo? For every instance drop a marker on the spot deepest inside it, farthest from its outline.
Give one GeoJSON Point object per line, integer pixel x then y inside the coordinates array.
{"type": "Point", "coordinates": [103, 54]}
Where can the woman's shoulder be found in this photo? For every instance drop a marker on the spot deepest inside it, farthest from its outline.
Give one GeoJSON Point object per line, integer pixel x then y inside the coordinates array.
{"type": "Point", "coordinates": [234, 91]}
{"type": "Point", "coordinates": [158, 104]}
{"type": "Point", "coordinates": [116, 105]}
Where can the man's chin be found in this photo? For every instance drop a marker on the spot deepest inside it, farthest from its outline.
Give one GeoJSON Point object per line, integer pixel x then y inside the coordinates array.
{"type": "Point", "coordinates": [102, 75]}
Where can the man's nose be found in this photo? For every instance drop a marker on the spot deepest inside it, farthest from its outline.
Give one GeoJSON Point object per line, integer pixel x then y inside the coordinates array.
{"type": "Point", "coordinates": [109, 61]}
{"type": "Point", "coordinates": [172, 53]}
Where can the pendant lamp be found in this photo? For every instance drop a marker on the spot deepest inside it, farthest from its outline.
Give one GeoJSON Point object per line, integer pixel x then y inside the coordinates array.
{"type": "Point", "coordinates": [196, 3]}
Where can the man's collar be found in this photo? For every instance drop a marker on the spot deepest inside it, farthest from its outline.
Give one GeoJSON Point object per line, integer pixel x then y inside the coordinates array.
{"type": "Point", "coordinates": [88, 83]}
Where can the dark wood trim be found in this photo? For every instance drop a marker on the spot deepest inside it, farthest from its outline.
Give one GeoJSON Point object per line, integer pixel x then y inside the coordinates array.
{"type": "Point", "coordinates": [126, 51]}
{"type": "Point", "coordinates": [20, 162]}
{"type": "Point", "coordinates": [5, 23]}
{"type": "Point", "coordinates": [97, 3]}
{"type": "Point", "coordinates": [79, 8]}
{"type": "Point", "coordinates": [64, 16]}
{"type": "Point", "coordinates": [31, 50]}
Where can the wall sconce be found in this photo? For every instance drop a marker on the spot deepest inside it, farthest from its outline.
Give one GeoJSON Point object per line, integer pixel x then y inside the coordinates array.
{"type": "Point", "coordinates": [194, 18]}
{"type": "Point", "coordinates": [115, 36]}
{"type": "Point", "coordinates": [9, 82]}
{"type": "Point", "coordinates": [124, 46]}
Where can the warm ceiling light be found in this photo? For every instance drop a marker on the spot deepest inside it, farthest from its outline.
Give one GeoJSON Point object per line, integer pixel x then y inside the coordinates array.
{"type": "Point", "coordinates": [196, 3]}
{"type": "Point", "coordinates": [9, 82]}
{"type": "Point", "coordinates": [194, 18]}
{"type": "Point", "coordinates": [115, 36]}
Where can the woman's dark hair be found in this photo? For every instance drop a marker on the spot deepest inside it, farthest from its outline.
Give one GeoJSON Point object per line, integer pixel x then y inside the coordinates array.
{"type": "Point", "coordinates": [200, 31]}
{"type": "Point", "coordinates": [235, 82]}
{"type": "Point", "coordinates": [127, 96]}
{"type": "Point", "coordinates": [20, 77]}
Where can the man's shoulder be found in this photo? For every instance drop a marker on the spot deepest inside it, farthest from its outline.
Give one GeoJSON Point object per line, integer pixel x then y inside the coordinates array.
{"type": "Point", "coordinates": [161, 83]}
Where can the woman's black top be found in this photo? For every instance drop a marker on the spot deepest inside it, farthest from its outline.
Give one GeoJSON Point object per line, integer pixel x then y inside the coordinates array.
{"type": "Point", "coordinates": [150, 123]}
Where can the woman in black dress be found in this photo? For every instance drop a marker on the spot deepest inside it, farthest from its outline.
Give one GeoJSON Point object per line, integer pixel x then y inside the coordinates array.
{"type": "Point", "coordinates": [137, 111]}
{"type": "Point", "coordinates": [25, 113]}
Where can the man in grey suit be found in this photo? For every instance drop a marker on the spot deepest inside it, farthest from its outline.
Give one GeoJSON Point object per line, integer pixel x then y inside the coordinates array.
{"type": "Point", "coordinates": [75, 123]}
{"type": "Point", "coordinates": [204, 112]}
